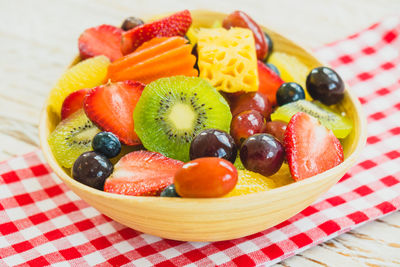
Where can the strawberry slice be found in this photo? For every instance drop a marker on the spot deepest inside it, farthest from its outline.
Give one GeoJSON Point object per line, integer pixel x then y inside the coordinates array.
{"type": "Point", "coordinates": [111, 108]}
{"type": "Point", "coordinates": [73, 102]}
{"type": "Point", "coordinates": [174, 25]}
{"type": "Point", "coordinates": [142, 173]}
{"type": "Point", "coordinates": [310, 147]}
{"type": "Point", "coordinates": [101, 40]}
{"type": "Point", "coordinates": [269, 82]}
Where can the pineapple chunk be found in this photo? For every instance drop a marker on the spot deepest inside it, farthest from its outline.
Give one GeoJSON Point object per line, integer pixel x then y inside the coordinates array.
{"type": "Point", "coordinates": [227, 59]}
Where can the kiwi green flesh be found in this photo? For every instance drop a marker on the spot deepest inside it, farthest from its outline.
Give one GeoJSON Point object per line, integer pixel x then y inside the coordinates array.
{"type": "Point", "coordinates": [172, 111]}
{"type": "Point", "coordinates": [72, 137]}
{"type": "Point", "coordinates": [341, 126]}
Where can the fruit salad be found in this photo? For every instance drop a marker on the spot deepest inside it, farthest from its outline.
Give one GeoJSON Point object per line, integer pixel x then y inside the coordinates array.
{"type": "Point", "coordinates": [166, 108]}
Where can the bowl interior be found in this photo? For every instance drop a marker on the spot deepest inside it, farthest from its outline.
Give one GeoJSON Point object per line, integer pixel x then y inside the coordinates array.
{"type": "Point", "coordinates": [153, 214]}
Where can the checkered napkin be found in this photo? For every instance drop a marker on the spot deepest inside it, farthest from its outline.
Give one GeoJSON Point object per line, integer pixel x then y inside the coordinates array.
{"type": "Point", "coordinates": [43, 223]}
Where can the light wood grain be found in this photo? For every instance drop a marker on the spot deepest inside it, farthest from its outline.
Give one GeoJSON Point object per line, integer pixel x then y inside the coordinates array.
{"type": "Point", "coordinates": [38, 38]}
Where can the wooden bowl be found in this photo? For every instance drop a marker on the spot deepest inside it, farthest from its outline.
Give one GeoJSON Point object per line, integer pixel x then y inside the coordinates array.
{"type": "Point", "coordinates": [220, 218]}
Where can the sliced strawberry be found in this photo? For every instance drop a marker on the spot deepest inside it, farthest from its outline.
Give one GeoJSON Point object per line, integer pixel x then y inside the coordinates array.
{"type": "Point", "coordinates": [111, 108]}
{"type": "Point", "coordinates": [269, 82]}
{"type": "Point", "coordinates": [73, 102]}
{"type": "Point", "coordinates": [101, 40]}
{"type": "Point", "coordinates": [310, 147]}
{"type": "Point", "coordinates": [142, 173]}
{"type": "Point", "coordinates": [174, 25]}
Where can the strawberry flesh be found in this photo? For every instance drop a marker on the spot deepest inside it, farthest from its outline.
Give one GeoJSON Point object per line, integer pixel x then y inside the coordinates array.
{"type": "Point", "coordinates": [72, 103]}
{"type": "Point", "coordinates": [142, 173]}
{"type": "Point", "coordinates": [310, 147]}
{"type": "Point", "coordinates": [111, 108]}
{"type": "Point", "coordinates": [101, 40]}
{"type": "Point", "coordinates": [174, 25]}
{"type": "Point", "coordinates": [269, 82]}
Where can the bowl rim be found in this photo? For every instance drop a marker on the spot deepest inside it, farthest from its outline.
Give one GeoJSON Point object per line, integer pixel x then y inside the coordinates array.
{"type": "Point", "coordinates": [346, 164]}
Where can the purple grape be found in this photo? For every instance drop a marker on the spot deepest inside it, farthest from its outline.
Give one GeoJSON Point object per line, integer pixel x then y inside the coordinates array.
{"type": "Point", "coordinates": [213, 143]}
{"type": "Point", "coordinates": [262, 153]}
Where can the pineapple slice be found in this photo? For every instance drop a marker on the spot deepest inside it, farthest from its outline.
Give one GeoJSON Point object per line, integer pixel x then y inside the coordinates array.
{"type": "Point", "coordinates": [291, 69]}
{"type": "Point", "coordinates": [227, 59]}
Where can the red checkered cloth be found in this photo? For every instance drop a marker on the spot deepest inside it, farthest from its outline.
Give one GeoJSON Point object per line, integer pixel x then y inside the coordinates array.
{"type": "Point", "coordinates": [42, 222]}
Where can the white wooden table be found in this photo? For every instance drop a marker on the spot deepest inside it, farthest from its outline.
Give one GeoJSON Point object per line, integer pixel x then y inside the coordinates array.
{"type": "Point", "coordinates": [39, 38]}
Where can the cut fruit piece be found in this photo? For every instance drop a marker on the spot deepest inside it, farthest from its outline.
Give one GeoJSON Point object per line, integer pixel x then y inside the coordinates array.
{"type": "Point", "coordinates": [101, 40]}
{"type": "Point", "coordinates": [174, 25]}
{"type": "Point", "coordinates": [238, 163]}
{"type": "Point", "coordinates": [291, 69]}
{"type": "Point", "coordinates": [71, 138]}
{"type": "Point", "coordinates": [310, 147]}
{"type": "Point", "coordinates": [172, 111]}
{"type": "Point", "coordinates": [227, 59]}
{"type": "Point", "coordinates": [89, 73]}
{"type": "Point", "coordinates": [251, 182]}
{"type": "Point", "coordinates": [73, 103]}
{"type": "Point", "coordinates": [242, 20]}
{"type": "Point", "coordinates": [142, 173]}
{"type": "Point", "coordinates": [158, 58]}
{"type": "Point", "coordinates": [111, 108]}
{"type": "Point", "coordinates": [282, 177]}
{"type": "Point", "coordinates": [191, 34]}
{"type": "Point", "coordinates": [340, 125]}
{"type": "Point", "coordinates": [269, 82]}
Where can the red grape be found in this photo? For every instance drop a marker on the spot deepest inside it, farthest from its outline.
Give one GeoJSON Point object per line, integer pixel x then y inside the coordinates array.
{"type": "Point", "coordinates": [246, 124]}
{"type": "Point", "coordinates": [277, 129]}
{"type": "Point", "coordinates": [252, 101]}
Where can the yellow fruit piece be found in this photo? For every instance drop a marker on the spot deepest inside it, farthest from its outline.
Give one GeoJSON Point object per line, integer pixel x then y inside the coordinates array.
{"type": "Point", "coordinates": [291, 69]}
{"type": "Point", "coordinates": [89, 73]}
{"type": "Point", "coordinates": [191, 34]}
{"type": "Point", "coordinates": [227, 59]}
{"type": "Point", "coordinates": [282, 177]}
{"type": "Point", "coordinates": [251, 182]}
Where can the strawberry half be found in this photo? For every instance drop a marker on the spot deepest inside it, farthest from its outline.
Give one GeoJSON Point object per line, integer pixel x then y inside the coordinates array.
{"type": "Point", "coordinates": [174, 25]}
{"type": "Point", "coordinates": [142, 173]}
{"type": "Point", "coordinates": [269, 82]}
{"type": "Point", "coordinates": [73, 102]}
{"type": "Point", "coordinates": [111, 107]}
{"type": "Point", "coordinates": [310, 147]}
{"type": "Point", "coordinates": [101, 40]}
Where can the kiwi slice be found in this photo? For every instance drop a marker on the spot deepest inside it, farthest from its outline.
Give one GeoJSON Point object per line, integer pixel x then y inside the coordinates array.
{"type": "Point", "coordinates": [71, 138]}
{"type": "Point", "coordinates": [340, 126]}
{"type": "Point", "coordinates": [172, 111]}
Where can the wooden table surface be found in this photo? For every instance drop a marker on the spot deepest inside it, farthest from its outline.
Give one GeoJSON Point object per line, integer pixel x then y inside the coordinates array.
{"type": "Point", "coordinates": [39, 38]}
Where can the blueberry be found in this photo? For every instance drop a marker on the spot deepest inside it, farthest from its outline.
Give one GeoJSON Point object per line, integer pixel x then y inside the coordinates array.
{"type": "Point", "coordinates": [270, 46]}
{"type": "Point", "coordinates": [289, 92]}
{"type": "Point", "coordinates": [169, 191]}
{"type": "Point", "coordinates": [325, 85]}
{"type": "Point", "coordinates": [106, 143]}
{"type": "Point", "coordinates": [273, 68]}
{"type": "Point", "coordinates": [92, 169]}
